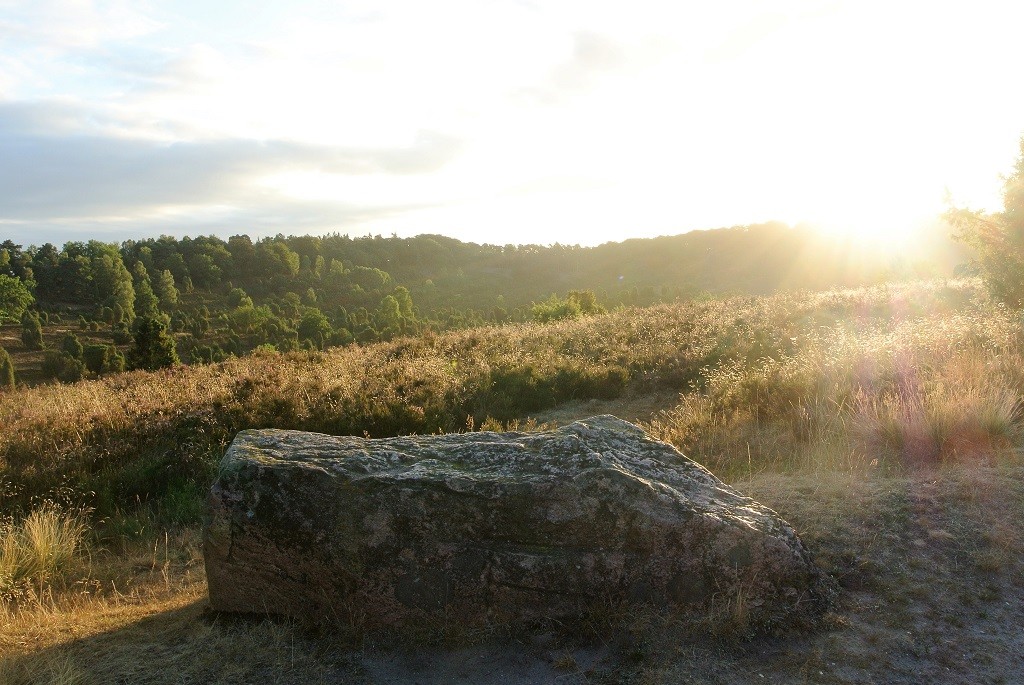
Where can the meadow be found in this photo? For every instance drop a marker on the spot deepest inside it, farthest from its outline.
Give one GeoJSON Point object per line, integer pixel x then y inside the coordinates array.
{"type": "Point", "coordinates": [839, 408]}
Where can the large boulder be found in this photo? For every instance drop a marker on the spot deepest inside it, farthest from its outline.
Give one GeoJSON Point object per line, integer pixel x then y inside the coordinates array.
{"type": "Point", "coordinates": [493, 528]}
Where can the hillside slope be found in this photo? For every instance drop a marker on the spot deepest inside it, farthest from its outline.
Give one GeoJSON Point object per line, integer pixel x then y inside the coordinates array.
{"type": "Point", "coordinates": [884, 423]}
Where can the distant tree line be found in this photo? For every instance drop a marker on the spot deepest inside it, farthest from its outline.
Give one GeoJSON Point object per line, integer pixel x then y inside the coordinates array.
{"type": "Point", "coordinates": [209, 298]}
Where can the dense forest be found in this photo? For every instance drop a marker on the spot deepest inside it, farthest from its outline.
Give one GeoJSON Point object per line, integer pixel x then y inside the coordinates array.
{"type": "Point", "coordinates": [90, 308]}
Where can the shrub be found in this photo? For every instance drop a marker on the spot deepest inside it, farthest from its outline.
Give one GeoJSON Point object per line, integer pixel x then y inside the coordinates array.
{"type": "Point", "coordinates": [6, 371]}
{"type": "Point", "coordinates": [314, 328]}
{"type": "Point", "coordinates": [100, 359]}
{"type": "Point", "coordinates": [121, 333]}
{"type": "Point", "coordinates": [31, 331]}
{"type": "Point", "coordinates": [94, 357]}
{"type": "Point", "coordinates": [62, 366]}
{"type": "Point", "coordinates": [154, 348]}
{"type": "Point", "coordinates": [38, 548]}
{"type": "Point", "coordinates": [71, 345]}
{"type": "Point", "coordinates": [576, 303]}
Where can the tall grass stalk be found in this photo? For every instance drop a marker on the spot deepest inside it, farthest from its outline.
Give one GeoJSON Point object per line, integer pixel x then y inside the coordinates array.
{"type": "Point", "coordinates": [38, 548]}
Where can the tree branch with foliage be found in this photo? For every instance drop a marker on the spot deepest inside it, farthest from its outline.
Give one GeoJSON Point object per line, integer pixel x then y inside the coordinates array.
{"type": "Point", "coordinates": [998, 238]}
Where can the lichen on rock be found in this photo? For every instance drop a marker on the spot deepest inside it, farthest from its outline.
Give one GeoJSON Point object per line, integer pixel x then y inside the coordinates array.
{"type": "Point", "coordinates": [492, 528]}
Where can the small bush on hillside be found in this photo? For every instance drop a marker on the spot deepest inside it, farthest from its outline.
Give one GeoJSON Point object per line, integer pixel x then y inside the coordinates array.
{"type": "Point", "coordinates": [103, 359]}
{"type": "Point", "coordinates": [7, 381]}
{"type": "Point", "coordinates": [121, 334]}
{"type": "Point", "coordinates": [154, 347]}
{"type": "Point", "coordinates": [207, 354]}
{"type": "Point", "coordinates": [577, 303]}
{"type": "Point", "coordinates": [314, 328]}
{"type": "Point", "coordinates": [31, 331]}
{"type": "Point", "coordinates": [62, 366]}
{"type": "Point", "coordinates": [71, 345]}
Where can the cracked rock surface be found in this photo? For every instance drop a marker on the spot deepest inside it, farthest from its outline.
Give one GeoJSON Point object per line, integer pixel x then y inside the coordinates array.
{"type": "Point", "coordinates": [493, 528]}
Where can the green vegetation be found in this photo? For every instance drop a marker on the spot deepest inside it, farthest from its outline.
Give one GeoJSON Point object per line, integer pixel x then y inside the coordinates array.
{"type": "Point", "coordinates": [998, 239]}
{"type": "Point", "coordinates": [154, 348]}
{"type": "Point", "coordinates": [39, 548]}
{"type": "Point", "coordinates": [31, 331]}
{"type": "Point", "coordinates": [221, 298]}
{"type": "Point", "coordinates": [576, 304]}
{"type": "Point", "coordinates": [7, 381]}
{"type": "Point", "coordinates": [15, 297]}
{"type": "Point", "coordinates": [899, 375]}
{"type": "Point", "coordinates": [884, 422]}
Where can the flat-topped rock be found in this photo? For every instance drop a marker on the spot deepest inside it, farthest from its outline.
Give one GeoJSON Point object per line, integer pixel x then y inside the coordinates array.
{"type": "Point", "coordinates": [492, 528]}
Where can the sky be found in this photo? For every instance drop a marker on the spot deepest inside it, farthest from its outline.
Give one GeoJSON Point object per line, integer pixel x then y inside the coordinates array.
{"type": "Point", "coordinates": [499, 121]}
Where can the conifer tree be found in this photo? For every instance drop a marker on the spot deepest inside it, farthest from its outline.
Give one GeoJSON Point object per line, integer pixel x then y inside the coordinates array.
{"type": "Point", "coordinates": [6, 371]}
{"type": "Point", "coordinates": [31, 331]}
{"type": "Point", "coordinates": [146, 301]}
{"type": "Point", "coordinates": [154, 348]}
{"type": "Point", "coordinates": [165, 290]}
{"type": "Point", "coordinates": [71, 345]}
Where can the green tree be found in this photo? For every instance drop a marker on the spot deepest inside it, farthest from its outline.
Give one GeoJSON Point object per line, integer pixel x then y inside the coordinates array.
{"type": "Point", "coordinates": [71, 345]}
{"type": "Point", "coordinates": [165, 290]}
{"type": "Point", "coordinates": [154, 348]}
{"type": "Point", "coordinates": [115, 362]}
{"type": "Point", "coordinates": [388, 317]}
{"type": "Point", "coordinates": [95, 357]}
{"type": "Point", "coordinates": [31, 331]}
{"type": "Point", "coordinates": [314, 327]}
{"type": "Point", "coordinates": [101, 359]}
{"type": "Point", "coordinates": [15, 298]}
{"type": "Point", "coordinates": [274, 258]}
{"type": "Point", "coordinates": [62, 366]}
{"type": "Point", "coordinates": [146, 301]}
{"type": "Point", "coordinates": [238, 298]}
{"type": "Point", "coordinates": [121, 334]}
{"type": "Point", "coordinates": [998, 239]}
{"type": "Point", "coordinates": [6, 371]}
{"type": "Point", "coordinates": [404, 300]}
{"type": "Point", "coordinates": [111, 281]}
{"type": "Point", "coordinates": [576, 303]}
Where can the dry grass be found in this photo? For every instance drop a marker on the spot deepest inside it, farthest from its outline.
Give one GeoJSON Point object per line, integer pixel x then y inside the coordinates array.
{"type": "Point", "coordinates": [903, 392]}
{"type": "Point", "coordinates": [38, 549]}
{"type": "Point", "coordinates": [885, 423]}
{"type": "Point", "coordinates": [926, 560]}
{"type": "Point", "coordinates": [778, 370]}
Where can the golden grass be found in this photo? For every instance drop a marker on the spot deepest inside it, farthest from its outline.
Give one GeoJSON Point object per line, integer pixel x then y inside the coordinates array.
{"type": "Point", "coordinates": [786, 367]}
{"type": "Point", "coordinates": [38, 548]}
{"type": "Point", "coordinates": [896, 392]}
{"type": "Point", "coordinates": [839, 386]}
{"type": "Point", "coordinates": [824, 406]}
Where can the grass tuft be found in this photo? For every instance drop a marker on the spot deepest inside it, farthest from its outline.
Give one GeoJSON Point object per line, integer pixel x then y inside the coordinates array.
{"type": "Point", "coordinates": [39, 548]}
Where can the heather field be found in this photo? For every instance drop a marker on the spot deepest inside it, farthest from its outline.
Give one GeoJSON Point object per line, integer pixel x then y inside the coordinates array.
{"type": "Point", "coordinates": [883, 422]}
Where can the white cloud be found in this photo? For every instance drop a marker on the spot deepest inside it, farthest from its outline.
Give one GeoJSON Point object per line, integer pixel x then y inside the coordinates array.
{"type": "Point", "coordinates": [58, 25]}
{"type": "Point", "coordinates": [502, 115]}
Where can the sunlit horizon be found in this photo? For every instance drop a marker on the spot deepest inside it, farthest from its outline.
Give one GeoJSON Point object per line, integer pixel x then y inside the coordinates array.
{"type": "Point", "coordinates": [501, 123]}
